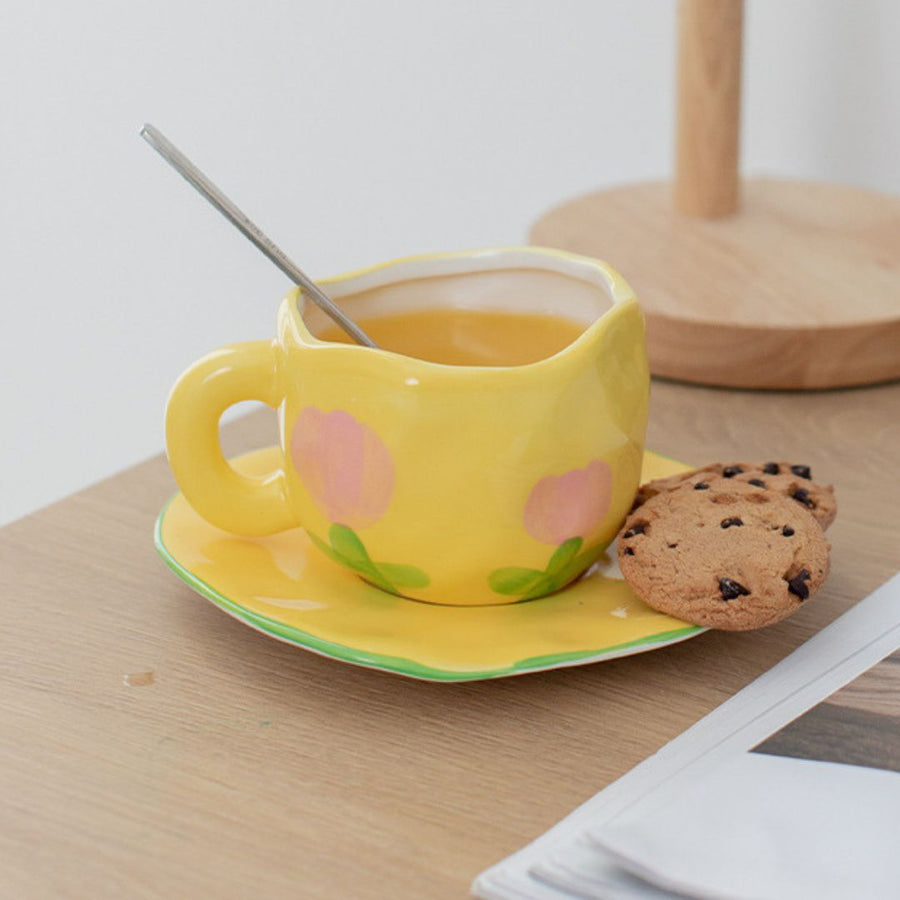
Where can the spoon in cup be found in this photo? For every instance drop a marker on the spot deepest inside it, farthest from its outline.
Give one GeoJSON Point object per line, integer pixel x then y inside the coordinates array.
{"type": "Point", "coordinates": [172, 155]}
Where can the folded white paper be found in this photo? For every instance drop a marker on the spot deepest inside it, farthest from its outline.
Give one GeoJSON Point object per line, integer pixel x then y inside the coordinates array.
{"type": "Point", "coordinates": [769, 827]}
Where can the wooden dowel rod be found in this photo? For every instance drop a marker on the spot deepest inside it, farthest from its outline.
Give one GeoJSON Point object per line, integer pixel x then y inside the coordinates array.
{"type": "Point", "coordinates": [709, 105]}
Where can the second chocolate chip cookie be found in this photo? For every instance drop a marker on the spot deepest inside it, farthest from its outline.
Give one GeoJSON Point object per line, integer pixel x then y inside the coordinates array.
{"type": "Point", "coordinates": [791, 480]}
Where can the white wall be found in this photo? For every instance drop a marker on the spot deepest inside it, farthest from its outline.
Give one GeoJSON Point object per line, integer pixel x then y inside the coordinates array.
{"type": "Point", "coordinates": [353, 131]}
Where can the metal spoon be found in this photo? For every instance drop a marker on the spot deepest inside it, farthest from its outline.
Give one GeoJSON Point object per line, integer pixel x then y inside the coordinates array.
{"type": "Point", "coordinates": [172, 155]}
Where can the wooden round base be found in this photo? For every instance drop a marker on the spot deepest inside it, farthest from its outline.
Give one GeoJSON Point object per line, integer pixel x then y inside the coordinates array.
{"type": "Point", "coordinates": [800, 289]}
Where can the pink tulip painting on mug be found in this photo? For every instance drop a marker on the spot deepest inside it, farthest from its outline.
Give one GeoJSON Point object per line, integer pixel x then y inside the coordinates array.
{"type": "Point", "coordinates": [561, 511]}
{"type": "Point", "coordinates": [350, 476]}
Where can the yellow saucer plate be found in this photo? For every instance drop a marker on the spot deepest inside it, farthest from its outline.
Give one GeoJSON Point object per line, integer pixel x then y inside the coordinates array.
{"type": "Point", "coordinates": [283, 586]}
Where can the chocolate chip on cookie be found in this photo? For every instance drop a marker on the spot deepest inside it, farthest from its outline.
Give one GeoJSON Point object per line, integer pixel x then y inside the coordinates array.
{"type": "Point", "coordinates": [731, 589]}
{"type": "Point", "coordinates": [732, 556]}
{"type": "Point", "coordinates": [797, 584]}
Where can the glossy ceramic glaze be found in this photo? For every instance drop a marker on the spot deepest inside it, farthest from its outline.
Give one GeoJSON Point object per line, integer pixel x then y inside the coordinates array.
{"type": "Point", "coordinates": [450, 484]}
{"type": "Point", "coordinates": [282, 586]}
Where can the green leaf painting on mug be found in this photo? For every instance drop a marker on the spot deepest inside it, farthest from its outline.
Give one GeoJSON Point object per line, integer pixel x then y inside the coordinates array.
{"type": "Point", "coordinates": [517, 581]}
{"type": "Point", "coordinates": [563, 555]}
{"type": "Point", "coordinates": [404, 576]}
{"type": "Point", "coordinates": [346, 544]}
{"type": "Point", "coordinates": [527, 584]}
{"type": "Point", "coordinates": [347, 549]}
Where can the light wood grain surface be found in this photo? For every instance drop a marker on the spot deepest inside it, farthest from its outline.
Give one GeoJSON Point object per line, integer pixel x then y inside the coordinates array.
{"type": "Point", "coordinates": [246, 767]}
{"type": "Point", "coordinates": [799, 289]}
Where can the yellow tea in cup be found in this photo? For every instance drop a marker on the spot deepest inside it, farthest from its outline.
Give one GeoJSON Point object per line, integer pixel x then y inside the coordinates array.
{"type": "Point", "coordinates": [467, 337]}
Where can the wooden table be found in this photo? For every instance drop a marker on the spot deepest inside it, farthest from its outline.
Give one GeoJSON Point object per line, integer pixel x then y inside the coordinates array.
{"type": "Point", "coordinates": [249, 768]}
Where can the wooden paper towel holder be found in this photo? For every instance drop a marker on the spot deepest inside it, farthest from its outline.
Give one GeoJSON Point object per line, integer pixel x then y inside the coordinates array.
{"type": "Point", "coordinates": [760, 283]}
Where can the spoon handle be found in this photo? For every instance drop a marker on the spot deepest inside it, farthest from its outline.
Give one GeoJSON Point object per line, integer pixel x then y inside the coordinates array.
{"type": "Point", "coordinates": [172, 155]}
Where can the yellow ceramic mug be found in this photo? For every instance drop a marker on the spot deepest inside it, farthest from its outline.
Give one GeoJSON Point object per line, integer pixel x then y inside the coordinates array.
{"type": "Point", "coordinates": [450, 484]}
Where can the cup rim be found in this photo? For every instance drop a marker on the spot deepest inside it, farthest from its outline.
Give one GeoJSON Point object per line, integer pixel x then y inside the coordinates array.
{"type": "Point", "coordinates": [458, 262]}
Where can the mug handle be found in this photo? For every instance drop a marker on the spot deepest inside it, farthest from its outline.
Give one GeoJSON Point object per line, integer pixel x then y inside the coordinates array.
{"type": "Point", "coordinates": [231, 501]}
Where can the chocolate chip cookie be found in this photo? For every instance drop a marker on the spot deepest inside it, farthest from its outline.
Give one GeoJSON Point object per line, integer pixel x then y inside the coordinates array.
{"type": "Point", "coordinates": [723, 553]}
{"type": "Point", "coordinates": [790, 479]}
